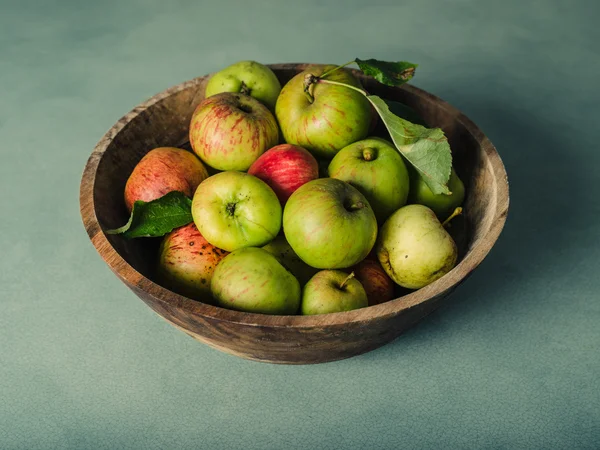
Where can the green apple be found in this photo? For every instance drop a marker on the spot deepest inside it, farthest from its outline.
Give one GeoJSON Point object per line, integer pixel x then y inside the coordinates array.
{"type": "Point", "coordinates": [281, 249]}
{"type": "Point", "coordinates": [187, 261]}
{"type": "Point", "coordinates": [441, 204]}
{"type": "Point", "coordinates": [230, 131]}
{"type": "Point", "coordinates": [252, 280]}
{"type": "Point", "coordinates": [374, 167]}
{"type": "Point", "coordinates": [334, 118]}
{"type": "Point", "coordinates": [331, 291]}
{"type": "Point", "coordinates": [329, 224]}
{"type": "Point", "coordinates": [414, 248]}
{"type": "Point", "coordinates": [233, 210]}
{"type": "Point", "coordinates": [246, 77]}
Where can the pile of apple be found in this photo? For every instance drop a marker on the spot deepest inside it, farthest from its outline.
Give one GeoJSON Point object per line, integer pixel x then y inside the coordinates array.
{"type": "Point", "coordinates": [269, 235]}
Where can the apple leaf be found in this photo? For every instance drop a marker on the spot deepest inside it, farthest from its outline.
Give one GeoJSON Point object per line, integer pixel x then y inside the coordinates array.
{"type": "Point", "coordinates": [406, 112]}
{"type": "Point", "coordinates": [158, 217]}
{"type": "Point", "coordinates": [388, 73]}
{"type": "Point", "coordinates": [427, 149]}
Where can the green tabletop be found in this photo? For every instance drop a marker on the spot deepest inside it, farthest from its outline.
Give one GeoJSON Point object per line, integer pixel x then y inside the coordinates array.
{"type": "Point", "coordinates": [512, 359]}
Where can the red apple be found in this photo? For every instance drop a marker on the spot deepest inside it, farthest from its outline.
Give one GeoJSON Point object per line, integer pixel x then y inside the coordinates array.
{"type": "Point", "coordinates": [285, 168]}
{"type": "Point", "coordinates": [378, 286]}
{"type": "Point", "coordinates": [187, 262]}
{"type": "Point", "coordinates": [161, 171]}
{"type": "Point", "coordinates": [229, 131]}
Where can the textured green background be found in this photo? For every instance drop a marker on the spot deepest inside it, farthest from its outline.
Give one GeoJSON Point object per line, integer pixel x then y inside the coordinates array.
{"type": "Point", "coordinates": [512, 361]}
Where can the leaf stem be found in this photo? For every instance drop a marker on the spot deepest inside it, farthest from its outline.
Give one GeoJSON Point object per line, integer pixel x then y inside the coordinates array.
{"type": "Point", "coordinates": [456, 212]}
{"type": "Point", "coordinates": [348, 278]}
{"type": "Point", "coordinates": [337, 68]}
{"type": "Point", "coordinates": [337, 83]}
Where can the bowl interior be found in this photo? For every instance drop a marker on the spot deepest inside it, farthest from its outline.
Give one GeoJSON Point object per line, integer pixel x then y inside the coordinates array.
{"type": "Point", "coordinates": [163, 121]}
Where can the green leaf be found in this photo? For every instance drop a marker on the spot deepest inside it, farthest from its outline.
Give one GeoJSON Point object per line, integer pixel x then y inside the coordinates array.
{"type": "Point", "coordinates": [427, 149]}
{"type": "Point", "coordinates": [388, 73]}
{"type": "Point", "coordinates": [406, 112]}
{"type": "Point", "coordinates": [158, 217]}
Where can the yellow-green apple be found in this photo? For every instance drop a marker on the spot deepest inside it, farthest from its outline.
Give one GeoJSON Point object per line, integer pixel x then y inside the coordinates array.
{"type": "Point", "coordinates": [377, 284]}
{"type": "Point", "coordinates": [281, 249]}
{"type": "Point", "coordinates": [414, 248]}
{"type": "Point", "coordinates": [252, 280]}
{"type": "Point", "coordinates": [234, 210]}
{"type": "Point", "coordinates": [442, 205]}
{"type": "Point", "coordinates": [246, 77]}
{"type": "Point", "coordinates": [329, 224]}
{"type": "Point", "coordinates": [161, 171]}
{"type": "Point", "coordinates": [285, 168]}
{"type": "Point", "coordinates": [230, 131]}
{"type": "Point", "coordinates": [329, 118]}
{"type": "Point", "coordinates": [331, 291]}
{"type": "Point", "coordinates": [187, 261]}
{"type": "Point", "coordinates": [376, 169]}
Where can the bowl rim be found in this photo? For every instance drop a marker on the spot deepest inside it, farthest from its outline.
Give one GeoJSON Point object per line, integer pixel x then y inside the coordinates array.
{"type": "Point", "coordinates": [168, 298]}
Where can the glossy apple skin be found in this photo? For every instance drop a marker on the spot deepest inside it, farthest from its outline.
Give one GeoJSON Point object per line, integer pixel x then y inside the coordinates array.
{"type": "Point", "coordinates": [285, 168]}
{"type": "Point", "coordinates": [377, 284]}
{"type": "Point", "coordinates": [441, 204]}
{"type": "Point", "coordinates": [323, 294]}
{"type": "Point", "coordinates": [233, 210]}
{"type": "Point", "coordinates": [246, 77]}
{"type": "Point", "coordinates": [187, 262]}
{"type": "Point", "coordinates": [161, 171]}
{"type": "Point", "coordinates": [230, 131]}
{"type": "Point", "coordinates": [329, 224]}
{"type": "Point", "coordinates": [252, 280]}
{"type": "Point", "coordinates": [282, 250]}
{"type": "Point", "coordinates": [376, 169]}
{"type": "Point", "coordinates": [337, 117]}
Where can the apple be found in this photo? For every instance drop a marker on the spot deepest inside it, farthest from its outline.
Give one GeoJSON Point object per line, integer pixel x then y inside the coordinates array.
{"type": "Point", "coordinates": [336, 117]}
{"type": "Point", "coordinates": [377, 284]}
{"type": "Point", "coordinates": [230, 131]}
{"type": "Point", "coordinates": [161, 171]}
{"type": "Point", "coordinates": [329, 224]}
{"type": "Point", "coordinates": [285, 168]}
{"type": "Point", "coordinates": [187, 261]}
{"type": "Point", "coordinates": [281, 249]}
{"type": "Point", "coordinates": [442, 205]}
{"type": "Point", "coordinates": [234, 210]}
{"type": "Point", "coordinates": [246, 77]}
{"type": "Point", "coordinates": [252, 280]}
{"type": "Point", "coordinates": [374, 167]}
{"type": "Point", "coordinates": [331, 291]}
{"type": "Point", "coordinates": [414, 248]}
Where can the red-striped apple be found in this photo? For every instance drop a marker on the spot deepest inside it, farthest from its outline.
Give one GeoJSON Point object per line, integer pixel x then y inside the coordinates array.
{"type": "Point", "coordinates": [285, 168]}
{"type": "Point", "coordinates": [329, 118]}
{"type": "Point", "coordinates": [229, 131]}
{"type": "Point", "coordinates": [161, 171]}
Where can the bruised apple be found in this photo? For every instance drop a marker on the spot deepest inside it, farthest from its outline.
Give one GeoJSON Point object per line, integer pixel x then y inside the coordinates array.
{"type": "Point", "coordinates": [187, 262]}
{"type": "Point", "coordinates": [161, 171]}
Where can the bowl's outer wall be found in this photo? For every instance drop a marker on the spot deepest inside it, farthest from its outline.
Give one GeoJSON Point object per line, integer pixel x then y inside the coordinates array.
{"type": "Point", "coordinates": [163, 121]}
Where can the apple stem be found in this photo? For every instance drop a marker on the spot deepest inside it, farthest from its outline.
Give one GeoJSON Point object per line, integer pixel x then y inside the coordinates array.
{"type": "Point", "coordinates": [456, 212]}
{"type": "Point", "coordinates": [309, 82]}
{"type": "Point", "coordinates": [337, 83]}
{"type": "Point", "coordinates": [348, 278]}
{"type": "Point", "coordinates": [244, 89]}
{"type": "Point", "coordinates": [355, 206]}
{"type": "Point", "coordinates": [337, 68]}
{"type": "Point", "coordinates": [368, 154]}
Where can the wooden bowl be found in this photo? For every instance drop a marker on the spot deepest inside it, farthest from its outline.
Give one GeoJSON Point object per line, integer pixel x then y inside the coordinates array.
{"type": "Point", "coordinates": [163, 121]}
